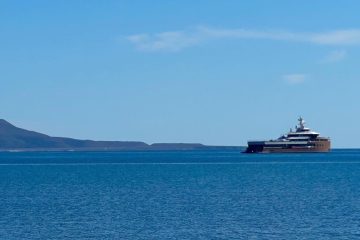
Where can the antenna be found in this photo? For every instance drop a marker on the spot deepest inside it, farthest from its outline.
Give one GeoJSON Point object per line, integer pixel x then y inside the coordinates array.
{"type": "Point", "coordinates": [301, 122]}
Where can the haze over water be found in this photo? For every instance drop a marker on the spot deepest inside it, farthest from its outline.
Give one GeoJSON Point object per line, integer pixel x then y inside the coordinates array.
{"type": "Point", "coordinates": [180, 195]}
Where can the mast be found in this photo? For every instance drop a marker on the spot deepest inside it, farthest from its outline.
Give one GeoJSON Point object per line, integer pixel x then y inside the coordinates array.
{"type": "Point", "coordinates": [301, 123]}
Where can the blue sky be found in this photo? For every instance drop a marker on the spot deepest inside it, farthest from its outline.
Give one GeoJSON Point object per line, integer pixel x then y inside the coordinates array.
{"type": "Point", "coordinates": [215, 72]}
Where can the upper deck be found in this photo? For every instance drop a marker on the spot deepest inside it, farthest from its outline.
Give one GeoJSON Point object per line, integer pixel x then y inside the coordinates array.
{"type": "Point", "coordinates": [301, 134]}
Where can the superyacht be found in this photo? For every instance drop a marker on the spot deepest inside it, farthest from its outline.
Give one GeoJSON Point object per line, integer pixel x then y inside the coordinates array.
{"type": "Point", "coordinates": [303, 139]}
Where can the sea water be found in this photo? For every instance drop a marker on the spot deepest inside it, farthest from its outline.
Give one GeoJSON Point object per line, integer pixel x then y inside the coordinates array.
{"type": "Point", "coordinates": [179, 195]}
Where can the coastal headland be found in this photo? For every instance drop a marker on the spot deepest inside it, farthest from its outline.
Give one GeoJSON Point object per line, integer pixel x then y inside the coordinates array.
{"type": "Point", "coordinates": [13, 138]}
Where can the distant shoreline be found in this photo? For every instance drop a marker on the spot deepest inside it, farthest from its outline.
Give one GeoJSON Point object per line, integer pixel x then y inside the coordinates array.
{"type": "Point", "coordinates": [15, 139]}
{"type": "Point", "coordinates": [204, 148]}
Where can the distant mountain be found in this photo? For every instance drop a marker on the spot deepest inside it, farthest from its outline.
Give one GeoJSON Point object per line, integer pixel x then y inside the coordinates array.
{"type": "Point", "coordinates": [14, 138]}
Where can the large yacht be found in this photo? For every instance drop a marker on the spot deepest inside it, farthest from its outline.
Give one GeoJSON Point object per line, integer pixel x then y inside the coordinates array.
{"type": "Point", "coordinates": [300, 140]}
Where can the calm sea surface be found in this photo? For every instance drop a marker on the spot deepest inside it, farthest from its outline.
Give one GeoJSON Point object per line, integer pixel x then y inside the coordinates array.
{"type": "Point", "coordinates": [180, 195]}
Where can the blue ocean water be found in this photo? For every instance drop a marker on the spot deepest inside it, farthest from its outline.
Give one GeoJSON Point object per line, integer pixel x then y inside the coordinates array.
{"type": "Point", "coordinates": [179, 195]}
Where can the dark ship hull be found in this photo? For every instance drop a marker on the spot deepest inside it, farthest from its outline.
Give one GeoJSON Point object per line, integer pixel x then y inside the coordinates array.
{"type": "Point", "coordinates": [288, 147]}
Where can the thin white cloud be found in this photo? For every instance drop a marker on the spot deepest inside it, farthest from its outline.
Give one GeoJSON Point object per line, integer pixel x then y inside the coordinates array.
{"type": "Point", "coordinates": [340, 37]}
{"type": "Point", "coordinates": [169, 41]}
{"type": "Point", "coordinates": [294, 78]}
{"type": "Point", "coordinates": [335, 56]}
{"type": "Point", "coordinates": [177, 40]}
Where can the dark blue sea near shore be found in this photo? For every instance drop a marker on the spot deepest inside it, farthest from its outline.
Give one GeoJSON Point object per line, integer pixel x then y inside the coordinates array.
{"type": "Point", "coordinates": [179, 195]}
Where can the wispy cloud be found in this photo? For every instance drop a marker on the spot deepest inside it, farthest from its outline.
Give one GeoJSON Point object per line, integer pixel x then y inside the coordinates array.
{"type": "Point", "coordinates": [294, 78]}
{"type": "Point", "coordinates": [335, 56]}
{"type": "Point", "coordinates": [169, 41]}
{"type": "Point", "coordinates": [177, 40]}
{"type": "Point", "coordinates": [340, 37]}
